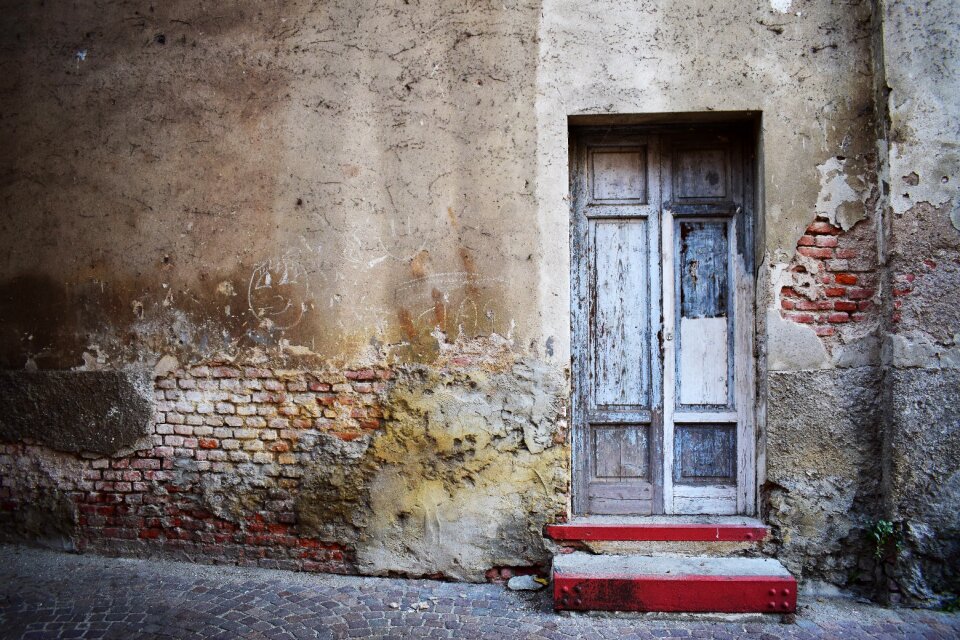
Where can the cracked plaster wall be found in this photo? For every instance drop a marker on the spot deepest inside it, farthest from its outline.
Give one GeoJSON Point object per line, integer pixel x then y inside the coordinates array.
{"type": "Point", "coordinates": [920, 44]}
{"type": "Point", "coordinates": [328, 184]}
{"type": "Point", "coordinates": [297, 185]}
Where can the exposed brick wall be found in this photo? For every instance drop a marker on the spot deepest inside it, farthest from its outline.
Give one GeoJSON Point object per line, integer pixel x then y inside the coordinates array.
{"type": "Point", "coordinates": [178, 492]}
{"type": "Point", "coordinates": [834, 278]}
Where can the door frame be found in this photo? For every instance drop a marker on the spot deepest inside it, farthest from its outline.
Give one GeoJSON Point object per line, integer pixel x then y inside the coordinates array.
{"type": "Point", "coordinates": [742, 248]}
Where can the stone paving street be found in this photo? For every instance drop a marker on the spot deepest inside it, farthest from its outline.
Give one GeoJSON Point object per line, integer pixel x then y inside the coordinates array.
{"type": "Point", "coordinates": [44, 594]}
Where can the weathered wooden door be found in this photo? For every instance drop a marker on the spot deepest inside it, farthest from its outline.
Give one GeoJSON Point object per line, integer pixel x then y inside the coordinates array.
{"type": "Point", "coordinates": [662, 315]}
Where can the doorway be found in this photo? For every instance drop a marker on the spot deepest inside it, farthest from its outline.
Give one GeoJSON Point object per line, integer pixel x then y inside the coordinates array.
{"type": "Point", "coordinates": [662, 297]}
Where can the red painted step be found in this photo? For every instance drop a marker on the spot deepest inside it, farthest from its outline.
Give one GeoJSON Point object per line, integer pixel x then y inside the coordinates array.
{"type": "Point", "coordinates": [629, 531]}
{"type": "Point", "coordinates": [584, 582]}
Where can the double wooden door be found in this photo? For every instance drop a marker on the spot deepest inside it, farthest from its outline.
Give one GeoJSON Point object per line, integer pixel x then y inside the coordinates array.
{"type": "Point", "coordinates": [662, 322]}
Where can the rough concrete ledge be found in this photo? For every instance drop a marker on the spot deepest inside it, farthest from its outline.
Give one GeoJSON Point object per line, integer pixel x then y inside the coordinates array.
{"type": "Point", "coordinates": [74, 411]}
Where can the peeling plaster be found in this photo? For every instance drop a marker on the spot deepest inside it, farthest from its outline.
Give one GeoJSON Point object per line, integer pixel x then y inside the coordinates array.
{"type": "Point", "coordinates": [837, 198]}
{"type": "Point", "coordinates": [792, 346]}
{"type": "Point", "coordinates": [783, 6]}
{"type": "Point", "coordinates": [916, 349]}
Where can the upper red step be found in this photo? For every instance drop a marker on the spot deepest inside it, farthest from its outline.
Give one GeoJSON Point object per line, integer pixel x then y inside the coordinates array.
{"type": "Point", "coordinates": [660, 532]}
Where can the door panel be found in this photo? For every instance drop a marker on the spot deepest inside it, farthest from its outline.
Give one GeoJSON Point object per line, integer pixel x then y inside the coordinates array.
{"type": "Point", "coordinates": [619, 175]}
{"type": "Point", "coordinates": [701, 174]}
{"type": "Point", "coordinates": [704, 277]}
{"type": "Point", "coordinates": [705, 454]}
{"type": "Point", "coordinates": [704, 367]}
{"type": "Point", "coordinates": [662, 325]}
{"type": "Point", "coordinates": [620, 337]}
{"type": "Point", "coordinates": [621, 452]}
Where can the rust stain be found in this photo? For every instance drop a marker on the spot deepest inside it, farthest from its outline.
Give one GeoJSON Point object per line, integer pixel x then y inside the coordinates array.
{"type": "Point", "coordinates": [453, 218]}
{"type": "Point", "coordinates": [439, 307]}
{"type": "Point", "coordinates": [470, 267]}
{"type": "Point", "coordinates": [406, 323]}
{"type": "Point", "coordinates": [418, 265]}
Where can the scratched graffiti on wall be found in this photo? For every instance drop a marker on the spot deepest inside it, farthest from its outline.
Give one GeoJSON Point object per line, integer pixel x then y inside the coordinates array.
{"type": "Point", "coordinates": [278, 293]}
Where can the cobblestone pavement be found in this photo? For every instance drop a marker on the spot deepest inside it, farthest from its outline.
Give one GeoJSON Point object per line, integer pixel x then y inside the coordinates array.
{"type": "Point", "coordinates": [45, 594]}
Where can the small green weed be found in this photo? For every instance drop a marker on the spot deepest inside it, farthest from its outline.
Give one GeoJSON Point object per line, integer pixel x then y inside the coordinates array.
{"type": "Point", "coordinates": [882, 533]}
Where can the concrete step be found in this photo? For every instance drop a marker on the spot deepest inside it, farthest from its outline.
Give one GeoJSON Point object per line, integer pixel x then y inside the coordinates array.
{"type": "Point", "coordinates": [667, 535]}
{"type": "Point", "coordinates": [585, 582]}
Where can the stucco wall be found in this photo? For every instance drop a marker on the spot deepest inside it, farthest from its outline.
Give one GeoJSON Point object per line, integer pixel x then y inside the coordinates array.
{"type": "Point", "coordinates": [319, 190]}
{"type": "Point", "coordinates": [312, 188]}
{"type": "Point", "coordinates": [920, 45]}
{"type": "Point", "coordinates": [342, 177]}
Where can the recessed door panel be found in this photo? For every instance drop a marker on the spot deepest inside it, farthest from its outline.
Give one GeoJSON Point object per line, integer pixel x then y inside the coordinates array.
{"type": "Point", "coordinates": [705, 454]}
{"type": "Point", "coordinates": [620, 339]}
{"type": "Point", "coordinates": [621, 451]}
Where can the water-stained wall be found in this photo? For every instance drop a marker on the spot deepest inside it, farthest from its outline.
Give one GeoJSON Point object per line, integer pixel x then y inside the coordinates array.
{"type": "Point", "coordinates": [314, 187]}
{"type": "Point", "coordinates": [341, 177]}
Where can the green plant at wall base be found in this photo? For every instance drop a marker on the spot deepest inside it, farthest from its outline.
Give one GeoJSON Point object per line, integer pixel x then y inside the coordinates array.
{"type": "Point", "coordinates": [881, 532]}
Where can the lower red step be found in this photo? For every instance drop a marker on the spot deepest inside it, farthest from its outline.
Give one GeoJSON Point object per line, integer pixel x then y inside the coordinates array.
{"type": "Point", "coordinates": [583, 582]}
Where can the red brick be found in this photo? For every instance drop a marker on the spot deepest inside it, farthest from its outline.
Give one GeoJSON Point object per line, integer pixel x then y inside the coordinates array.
{"type": "Point", "coordinates": [807, 305]}
{"type": "Point", "coordinates": [784, 304]}
{"type": "Point", "coordinates": [789, 292]}
{"type": "Point", "coordinates": [824, 331]}
{"type": "Point", "coordinates": [835, 292]}
{"type": "Point", "coordinates": [225, 372]}
{"type": "Point", "coordinates": [845, 278]}
{"type": "Point", "coordinates": [812, 252]}
{"type": "Point", "coordinates": [806, 241]}
{"type": "Point", "coordinates": [860, 294]}
{"type": "Point", "coordinates": [902, 291]}
{"type": "Point", "coordinates": [209, 443]}
{"type": "Point", "coordinates": [823, 228]}
{"type": "Point", "coordinates": [858, 317]}
{"type": "Point", "coordinates": [846, 254]}
{"type": "Point", "coordinates": [803, 318]}
{"type": "Point", "coordinates": [362, 374]}
{"type": "Point", "coordinates": [845, 305]}
{"type": "Point", "coordinates": [826, 241]}
{"type": "Point", "coordinates": [865, 305]}
{"type": "Point", "coordinates": [838, 318]}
